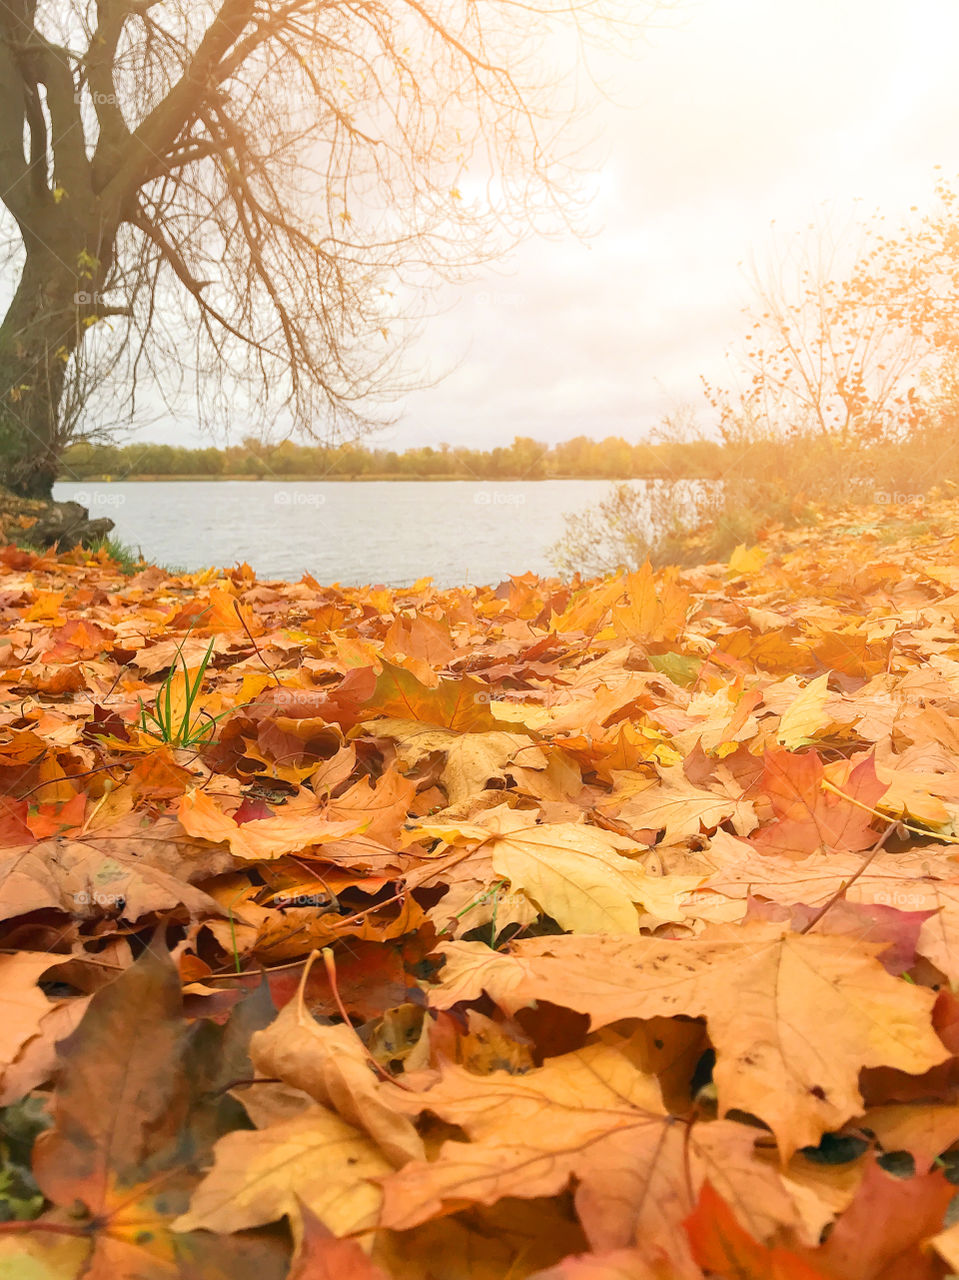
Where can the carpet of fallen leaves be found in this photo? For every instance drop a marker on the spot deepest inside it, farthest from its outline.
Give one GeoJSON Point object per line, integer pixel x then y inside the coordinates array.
{"type": "Point", "coordinates": [572, 932]}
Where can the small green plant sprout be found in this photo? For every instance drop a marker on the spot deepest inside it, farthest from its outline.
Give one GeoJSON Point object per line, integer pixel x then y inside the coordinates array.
{"type": "Point", "coordinates": [176, 718]}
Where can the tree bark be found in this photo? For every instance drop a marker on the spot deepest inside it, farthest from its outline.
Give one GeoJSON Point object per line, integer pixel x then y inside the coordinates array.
{"type": "Point", "coordinates": [38, 335]}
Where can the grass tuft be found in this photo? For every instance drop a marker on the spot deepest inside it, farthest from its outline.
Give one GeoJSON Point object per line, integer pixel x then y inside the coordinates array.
{"type": "Point", "coordinates": [173, 718]}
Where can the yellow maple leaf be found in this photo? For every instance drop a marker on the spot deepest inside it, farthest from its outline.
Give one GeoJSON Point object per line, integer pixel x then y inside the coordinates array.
{"type": "Point", "coordinates": [747, 562]}
{"type": "Point", "coordinates": [805, 717]}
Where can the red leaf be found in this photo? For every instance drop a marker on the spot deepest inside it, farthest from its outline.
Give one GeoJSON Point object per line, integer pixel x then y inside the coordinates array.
{"type": "Point", "coordinates": [724, 1248]}
{"type": "Point", "coordinates": [323, 1257]}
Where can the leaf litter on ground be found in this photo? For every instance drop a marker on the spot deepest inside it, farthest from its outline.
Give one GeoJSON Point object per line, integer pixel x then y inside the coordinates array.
{"type": "Point", "coordinates": [560, 930]}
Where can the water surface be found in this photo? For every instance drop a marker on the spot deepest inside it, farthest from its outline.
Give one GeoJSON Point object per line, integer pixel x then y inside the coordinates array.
{"type": "Point", "coordinates": [352, 532]}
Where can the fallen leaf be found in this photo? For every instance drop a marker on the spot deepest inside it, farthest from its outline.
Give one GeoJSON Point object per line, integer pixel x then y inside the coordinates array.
{"type": "Point", "coordinates": [333, 1067]}
{"type": "Point", "coordinates": [724, 1248]}
{"type": "Point", "coordinates": [262, 1176]}
{"type": "Point", "coordinates": [591, 1116]}
{"type": "Point", "coordinates": [293, 831]}
{"type": "Point", "coordinates": [769, 1061]}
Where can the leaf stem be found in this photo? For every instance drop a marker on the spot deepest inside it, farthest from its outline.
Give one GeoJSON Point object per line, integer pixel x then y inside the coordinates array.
{"type": "Point", "coordinates": [847, 884]}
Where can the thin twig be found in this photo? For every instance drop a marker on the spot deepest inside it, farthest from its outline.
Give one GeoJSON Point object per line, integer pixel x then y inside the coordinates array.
{"type": "Point", "coordinates": [847, 884]}
{"type": "Point", "coordinates": [236, 606]}
{"type": "Point", "coordinates": [330, 965]}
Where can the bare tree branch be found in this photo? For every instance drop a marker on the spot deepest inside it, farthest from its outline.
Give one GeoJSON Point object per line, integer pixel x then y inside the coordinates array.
{"type": "Point", "coordinates": [280, 178]}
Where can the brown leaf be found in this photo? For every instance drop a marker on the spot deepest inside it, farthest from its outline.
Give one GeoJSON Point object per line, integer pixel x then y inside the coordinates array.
{"type": "Point", "coordinates": [92, 878]}
{"type": "Point", "coordinates": [120, 1100]}
{"type": "Point", "coordinates": [332, 1066]}
{"type": "Point", "coordinates": [24, 1009]}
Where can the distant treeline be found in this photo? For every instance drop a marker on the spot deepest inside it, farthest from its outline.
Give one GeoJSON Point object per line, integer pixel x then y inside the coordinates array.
{"type": "Point", "coordinates": [524, 459]}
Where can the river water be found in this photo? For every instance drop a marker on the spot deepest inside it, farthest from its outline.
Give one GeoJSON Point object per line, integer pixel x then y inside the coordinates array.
{"type": "Point", "coordinates": [352, 532]}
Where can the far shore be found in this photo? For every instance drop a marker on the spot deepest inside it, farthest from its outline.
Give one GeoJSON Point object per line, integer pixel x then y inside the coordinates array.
{"type": "Point", "coordinates": [110, 479]}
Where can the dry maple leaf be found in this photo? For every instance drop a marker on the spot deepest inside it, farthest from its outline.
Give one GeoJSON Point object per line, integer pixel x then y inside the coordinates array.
{"type": "Point", "coordinates": [472, 759]}
{"type": "Point", "coordinates": [577, 874]}
{"type": "Point", "coordinates": [461, 705]}
{"type": "Point", "coordinates": [314, 1158]}
{"type": "Point", "coordinates": [766, 995]}
{"type": "Point", "coordinates": [88, 878]}
{"type": "Point", "coordinates": [724, 1248]}
{"type": "Point", "coordinates": [299, 827]}
{"type": "Point", "coordinates": [916, 881]}
{"type": "Point", "coordinates": [897, 931]}
{"type": "Point", "coordinates": [378, 812]}
{"type": "Point", "coordinates": [333, 1067]}
{"type": "Point", "coordinates": [423, 645]}
{"type": "Point", "coordinates": [592, 1116]}
{"type": "Point", "coordinates": [656, 606]}
{"type": "Point", "coordinates": [676, 806]}
{"type": "Point", "coordinates": [806, 716]}
{"type": "Point", "coordinates": [808, 816]}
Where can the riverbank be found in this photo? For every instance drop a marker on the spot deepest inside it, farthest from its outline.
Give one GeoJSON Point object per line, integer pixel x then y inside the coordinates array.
{"type": "Point", "coordinates": [523, 459]}
{"type": "Point", "coordinates": [332, 478]}
{"type": "Point", "coordinates": [676, 846]}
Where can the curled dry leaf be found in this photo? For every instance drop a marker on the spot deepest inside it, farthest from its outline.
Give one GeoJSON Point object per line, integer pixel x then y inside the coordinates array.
{"type": "Point", "coordinates": [87, 879]}
{"type": "Point", "coordinates": [26, 1014]}
{"type": "Point", "coordinates": [332, 1065]}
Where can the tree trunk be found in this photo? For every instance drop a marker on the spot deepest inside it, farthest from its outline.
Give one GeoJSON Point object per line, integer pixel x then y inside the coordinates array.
{"type": "Point", "coordinates": [38, 335]}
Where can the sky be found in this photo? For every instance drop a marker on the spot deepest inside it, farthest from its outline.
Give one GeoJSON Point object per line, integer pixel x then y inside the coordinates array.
{"type": "Point", "coordinates": [730, 126]}
{"type": "Point", "coordinates": [731, 116]}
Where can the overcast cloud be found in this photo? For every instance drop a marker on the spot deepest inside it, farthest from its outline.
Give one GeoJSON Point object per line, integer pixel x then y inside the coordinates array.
{"type": "Point", "coordinates": [732, 114]}
{"type": "Point", "coordinates": [739, 112]}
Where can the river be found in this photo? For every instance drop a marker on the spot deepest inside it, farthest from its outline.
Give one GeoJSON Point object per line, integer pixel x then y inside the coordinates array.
{"type": "Point", "coordinates": [352, 532]}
